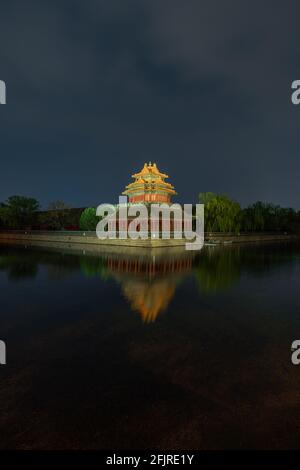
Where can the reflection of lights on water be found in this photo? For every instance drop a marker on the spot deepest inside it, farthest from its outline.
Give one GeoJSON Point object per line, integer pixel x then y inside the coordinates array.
{"type": "Point", "coordinates": [149, 300]}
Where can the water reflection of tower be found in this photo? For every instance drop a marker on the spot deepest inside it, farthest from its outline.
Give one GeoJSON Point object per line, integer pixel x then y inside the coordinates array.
{"type": "Point", "coordinates": [149, 282]}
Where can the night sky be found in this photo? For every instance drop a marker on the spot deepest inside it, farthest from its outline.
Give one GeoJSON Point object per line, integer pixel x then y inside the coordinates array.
{"type": "Point", "coordinates": [203, 88]}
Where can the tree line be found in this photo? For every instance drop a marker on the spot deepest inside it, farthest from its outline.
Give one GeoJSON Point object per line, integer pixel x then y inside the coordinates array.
{"type": "Point", "coordinates": [222, 214]}
{"type": "Point", "coordinates": [19, 212]}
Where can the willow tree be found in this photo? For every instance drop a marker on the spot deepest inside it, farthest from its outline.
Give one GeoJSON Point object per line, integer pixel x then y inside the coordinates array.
{"type": "Point", "coordinates": [221, 213]}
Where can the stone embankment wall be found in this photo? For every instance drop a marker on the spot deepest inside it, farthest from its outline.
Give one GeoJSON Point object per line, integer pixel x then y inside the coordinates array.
{"type": "Point", "coordinates": [89, 238]}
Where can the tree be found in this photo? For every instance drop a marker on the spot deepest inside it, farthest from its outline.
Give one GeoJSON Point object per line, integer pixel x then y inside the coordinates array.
{"type": "Point", "coordinates": [269, 217]}
{"type": "Point", "coordinates": [254, 217]}
{"type": "Point", "coordinates": [18, 212]}
{"type": "Point", "coordinates": [58, 206]}
{"type": "Point", "coordinates": [57, 216]}
{"type": "Point", "coordinates": [88, 219]}
{"type": "Point", "coordinates": [221, 213]}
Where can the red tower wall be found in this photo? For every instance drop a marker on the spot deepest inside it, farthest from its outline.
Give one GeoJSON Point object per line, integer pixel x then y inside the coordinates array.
{"type": "Point", "coordinates": [150, 198]}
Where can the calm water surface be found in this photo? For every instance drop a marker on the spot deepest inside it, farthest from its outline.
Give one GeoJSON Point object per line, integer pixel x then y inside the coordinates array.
{"type": "Point", "coordinates": [171, 350]}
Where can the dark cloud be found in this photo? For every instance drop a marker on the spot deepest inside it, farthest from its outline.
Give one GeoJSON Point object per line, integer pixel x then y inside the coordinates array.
{"type": "Point", "coordinates": [202, 87]}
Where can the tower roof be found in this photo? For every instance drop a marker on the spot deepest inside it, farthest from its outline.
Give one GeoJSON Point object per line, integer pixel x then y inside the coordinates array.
{"type": "Point", "coordinates": [150, 181]}
{"type": "Point", "coordinates": [148, 170]}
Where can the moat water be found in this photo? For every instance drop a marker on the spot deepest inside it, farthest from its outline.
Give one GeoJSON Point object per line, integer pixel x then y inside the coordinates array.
{"type": "Point", "coordinates": [172, 350]}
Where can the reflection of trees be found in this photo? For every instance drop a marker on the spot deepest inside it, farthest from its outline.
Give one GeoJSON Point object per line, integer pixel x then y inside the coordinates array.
{"type": "Point", "coordinates": [20, 263]}
{"type": "Point", "coordinates": [18, 267]}
{"type": "Point", "coordinates": [218, 268]}
{"type": "Point", "coordinates": [60, 271]}
{"type": "Point", "coordinates": [149, 280]}
{"type": "Point", "coordinates": [93, 266]}
{"type": "Point", "coordinates": [260, 259]}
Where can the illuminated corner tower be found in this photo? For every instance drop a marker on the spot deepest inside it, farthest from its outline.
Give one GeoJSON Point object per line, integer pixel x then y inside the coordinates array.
{"type": "Point", "coordinates": [149, 186]}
